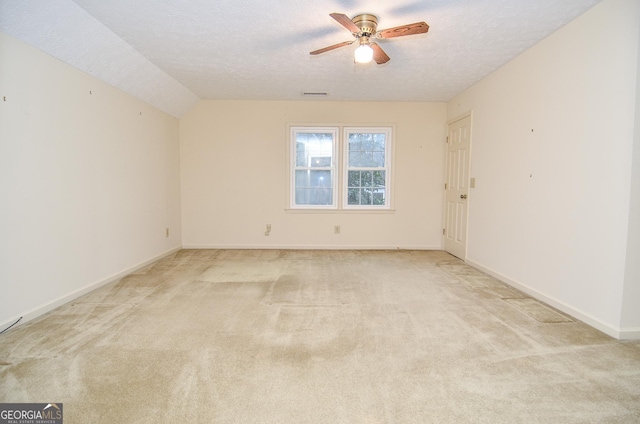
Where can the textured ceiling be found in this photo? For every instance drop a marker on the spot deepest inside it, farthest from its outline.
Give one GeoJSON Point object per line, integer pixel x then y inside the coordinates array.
{"type": "Point", "coordinates": [171, 53]}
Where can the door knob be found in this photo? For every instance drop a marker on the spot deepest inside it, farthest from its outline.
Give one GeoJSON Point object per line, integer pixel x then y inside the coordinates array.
{"type": "Point", "coordinates": [463, 196]}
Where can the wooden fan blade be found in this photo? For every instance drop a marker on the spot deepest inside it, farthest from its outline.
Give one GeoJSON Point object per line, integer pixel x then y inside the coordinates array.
{"type": "Point", "coordinates": [411, 29]}
{"type": "Point", "coordinates": [379, 55]}
{"type": "Point", "coordinates": [345, 21]}
{"type": "Point", "coordinates": [335, 46]}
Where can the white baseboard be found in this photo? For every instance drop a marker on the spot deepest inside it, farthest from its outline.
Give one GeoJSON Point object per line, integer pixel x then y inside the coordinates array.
{"type": "Point", "coordinates": [617, 333]}
{"type": "Point", "coordinates": [49, 306]}
{"type": "Point", "coordinates": [631, 333]}
{"type": "Point", "coordinates": [308, 247]}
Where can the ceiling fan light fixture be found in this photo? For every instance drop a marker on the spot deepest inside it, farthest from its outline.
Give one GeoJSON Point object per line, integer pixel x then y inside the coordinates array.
{"type": "Point", "coordinates": [364, 53]}
{"type": "Point", "coordinates": [365, 26]}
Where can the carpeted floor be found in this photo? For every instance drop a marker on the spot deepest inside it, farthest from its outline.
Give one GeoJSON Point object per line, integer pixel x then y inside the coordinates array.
{"type": "Point", "coordinates": [276, 336]}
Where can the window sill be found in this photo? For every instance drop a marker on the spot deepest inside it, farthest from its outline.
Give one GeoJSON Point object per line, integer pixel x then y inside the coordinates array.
{"type": "Point", "coordinates": [340, 211]}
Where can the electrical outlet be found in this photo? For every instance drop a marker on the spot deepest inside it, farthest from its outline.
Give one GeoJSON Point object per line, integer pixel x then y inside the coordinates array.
{"type": "Point", "coordinates": [268, 230]}
{"type": "Point", "coordinates": [336, 229]}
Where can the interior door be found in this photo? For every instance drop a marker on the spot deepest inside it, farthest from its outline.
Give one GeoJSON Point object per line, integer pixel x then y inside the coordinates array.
{"type": "Point", "coordinates": [457, 187]}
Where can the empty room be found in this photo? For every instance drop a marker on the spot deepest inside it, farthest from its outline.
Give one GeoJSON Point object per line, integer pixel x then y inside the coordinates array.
{"type": "Point", "coordinates": [320, 212]}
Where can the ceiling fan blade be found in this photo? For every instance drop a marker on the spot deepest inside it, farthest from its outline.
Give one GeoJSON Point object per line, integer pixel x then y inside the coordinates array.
{"type": "Point", "coordinates": [379, 55]}
{"type": "Point", "coordinates": [345, 21]}
{"type": "Point", "coordinates": [411, 29]}
{"type": "Point", "coordinates": [335, 46]}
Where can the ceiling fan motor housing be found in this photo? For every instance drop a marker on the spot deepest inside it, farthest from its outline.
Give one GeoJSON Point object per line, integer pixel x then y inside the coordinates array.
{"type": "Point", "coordinates": [367, 24]}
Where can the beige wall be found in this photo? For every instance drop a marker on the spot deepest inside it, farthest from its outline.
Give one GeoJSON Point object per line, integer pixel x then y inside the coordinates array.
{"type": "Point", "coordinates": [235, 176]}
{"type": "Point", "coordinates": [89, 180]}
{"type": "Point", "coordinates": [631, 301]}
{"type": "Point", "coordinates": [552, 146]}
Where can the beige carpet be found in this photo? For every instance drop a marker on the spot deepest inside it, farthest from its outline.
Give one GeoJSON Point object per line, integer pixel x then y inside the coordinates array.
{"type": "Point", "coordinates": [228, 336]}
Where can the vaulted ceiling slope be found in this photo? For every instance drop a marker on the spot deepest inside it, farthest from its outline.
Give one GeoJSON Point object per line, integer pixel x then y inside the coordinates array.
{"type": "Point", "coordinates": [171, 53]}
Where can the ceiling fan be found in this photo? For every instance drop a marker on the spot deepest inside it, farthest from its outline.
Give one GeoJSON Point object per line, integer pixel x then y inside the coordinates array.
{"type": "Point", "coordinates": [364, 27]}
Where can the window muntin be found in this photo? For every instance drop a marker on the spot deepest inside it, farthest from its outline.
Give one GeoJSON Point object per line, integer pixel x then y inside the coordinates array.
{"type": "Point", "coordinates": [367, 171]}
{"type": "Point", "coordinates": [314, 170]}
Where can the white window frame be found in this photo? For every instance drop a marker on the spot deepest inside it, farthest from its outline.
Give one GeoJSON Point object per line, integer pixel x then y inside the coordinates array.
{"type": "Point", "coordinates": [340, 167]}
{"type": "Point", "coordinates": [333, 168]}
{"type": "Point", "coordinates": [387, 131]}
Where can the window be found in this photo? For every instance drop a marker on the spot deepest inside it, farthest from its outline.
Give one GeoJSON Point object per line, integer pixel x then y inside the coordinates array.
{"type": "Point", "coordinates": [314, 152]}
{"type": "Point", "coordinates": [367, 167]}
{"type": "Point", "coordinates": [358, 179]}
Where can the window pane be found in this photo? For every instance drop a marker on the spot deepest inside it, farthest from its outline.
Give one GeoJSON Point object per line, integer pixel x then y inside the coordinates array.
{"type": "Point", "coordinates": [302, 196]}
{"type": "Point", "coordinates": [313, 178]}
{"type": "Point", "coordinates": [354, 179]}
{"type": "Point", "coordinates": [379, 179]}
{"type": "Point", "coordinates": [354, 196]}
{"type": "Point", "coordinates": [365, 196]}
{"type": "Point", "coordinates": [355, 158]}
{"type": "Point", "coordinates": [366, 150]}
{"type": "Point", "coordinates": [367, 142]}
{"type": "Point", "coordinates": [314, 149]}
{"type": "Point", "coordinates": [354, 142]}
{"type": "Point", "coordinates": [300, 153]}
{"type": "Point", "coordinates": [321, 196]}
{"type": "Point", "coordinates": [377, 160]}
{"type": "Point", "coordinates": [314, 187]}
{"type": "Point", "coordinates": [302, 178]}
{"type": "Point", "coordinates": [314, 196]}
{"type": "Point", "coordinates": [378, 196]}
{"type": "Point", "coordinates": [367, 178]}
{"type": "Point", "coordinates": [364, 160]}
{"type": "Point", "coordinates": [320, 179]}
{"type": "Point", "coordinates": [379, 141]}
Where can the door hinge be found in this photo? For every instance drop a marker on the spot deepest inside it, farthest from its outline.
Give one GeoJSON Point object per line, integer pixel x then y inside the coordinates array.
{"type": "Point", "coordinates": [445, 186]}
{"type": "Point", "coordinates": [447, 139]}
{"type": "Point", "coordinates": [444, 231]}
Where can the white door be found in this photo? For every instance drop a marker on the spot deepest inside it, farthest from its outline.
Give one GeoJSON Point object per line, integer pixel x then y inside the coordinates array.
{"type": "Point", "coordinates": [457, 187]}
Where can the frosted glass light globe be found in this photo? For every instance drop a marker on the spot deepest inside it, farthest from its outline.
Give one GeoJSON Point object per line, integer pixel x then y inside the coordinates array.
{"type": "Point", "coordinates": [364, 53]}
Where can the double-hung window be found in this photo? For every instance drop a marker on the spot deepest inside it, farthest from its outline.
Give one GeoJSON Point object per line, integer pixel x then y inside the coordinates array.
{"type": "Point", "coordinates": [314, 168]}
{"type": "Point", "coordinates": [340, 168]}
{"type": "Point", "coordinates": [367, 165]}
